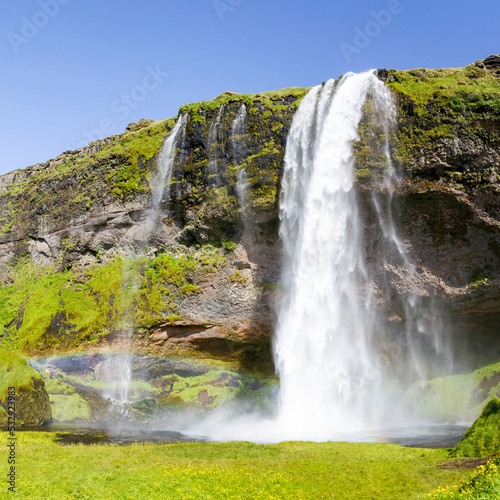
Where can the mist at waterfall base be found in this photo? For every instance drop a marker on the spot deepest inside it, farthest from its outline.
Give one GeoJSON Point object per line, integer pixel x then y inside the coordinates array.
{"type": "Point", "coordinates": [330, 346]}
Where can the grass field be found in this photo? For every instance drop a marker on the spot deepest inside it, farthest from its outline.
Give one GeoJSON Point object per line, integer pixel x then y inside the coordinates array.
{"type": "Point", "coordinates": [237, 470]}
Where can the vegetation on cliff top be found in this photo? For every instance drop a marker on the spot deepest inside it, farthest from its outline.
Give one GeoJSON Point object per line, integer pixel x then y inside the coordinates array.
{"type": "Point", "coordinates": [449, 87]}
{"type": "Point", "coordinates": [439, 105]}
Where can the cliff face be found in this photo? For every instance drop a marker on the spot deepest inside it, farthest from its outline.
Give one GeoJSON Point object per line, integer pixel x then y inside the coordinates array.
{"type": "Point", "coordinates": [78, 272]}
{"type": "Point", "coordinates": [77, 224]}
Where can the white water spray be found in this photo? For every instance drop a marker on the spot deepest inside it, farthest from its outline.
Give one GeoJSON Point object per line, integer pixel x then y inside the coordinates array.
{"type": "Point", "coordinates": [160, 185]}
{"type": "Point", "coordinates": [323, 340]}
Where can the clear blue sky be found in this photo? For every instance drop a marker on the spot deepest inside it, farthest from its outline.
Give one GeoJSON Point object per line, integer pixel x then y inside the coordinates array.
{"type": "Point", "coordinates": [76, 69]}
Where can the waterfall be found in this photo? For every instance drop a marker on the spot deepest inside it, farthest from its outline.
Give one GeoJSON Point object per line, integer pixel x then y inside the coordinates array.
{"type": "Point", "coordinates": [166, 162]}
{"type": "Point", "coordinates": [238, 138]}
{"type": "Point", "coordinates": [322, 346]}
{"type": "Point", "coordinates": [423, 329]}
{"type": "Point", "coordinates": [328, 343]}
{"type": "Point", "coordinates": [213, 136]}
{"type": "Point", "coordinates": [332, 337]}
{"type": "Point", "coordinates": [238, 132]}
{"type": "Point", "coordinates": [118, 368]}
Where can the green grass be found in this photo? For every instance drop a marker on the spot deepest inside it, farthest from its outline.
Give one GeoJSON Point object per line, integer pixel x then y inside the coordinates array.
{"type": "Point", "coordinates": [236, 470]}
{"type": "Point", "coordinates": [471, 83]}
{"type": "Point", "coordinates": [483, 437]}
{"type": "Point", "coordinates": [484, 484]}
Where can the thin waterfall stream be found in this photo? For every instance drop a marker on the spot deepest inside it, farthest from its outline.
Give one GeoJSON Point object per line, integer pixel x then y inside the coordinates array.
{"type": "Point", "coordinates": [213, 136]}
{"type": "Point", "coordinates": [117, 368]}
{"type": "Point", "coordinates": [238, 136]}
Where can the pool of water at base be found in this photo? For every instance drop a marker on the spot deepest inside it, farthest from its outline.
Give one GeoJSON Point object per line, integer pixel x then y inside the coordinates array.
{"type": "Point", "coordinates": [416, 436]}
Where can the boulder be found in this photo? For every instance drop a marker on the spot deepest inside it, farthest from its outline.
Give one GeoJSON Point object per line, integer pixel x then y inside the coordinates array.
{"type": "Point", "coordinates": [22, 391]}
{"type": "Point", "coordinates": [492, 62]}
{"type": "Point", "coordinates": [143, 122]}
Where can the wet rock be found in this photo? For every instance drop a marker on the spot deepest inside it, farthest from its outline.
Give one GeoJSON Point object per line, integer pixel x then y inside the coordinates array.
{"type": "Point", "coordinates": [147, 406]}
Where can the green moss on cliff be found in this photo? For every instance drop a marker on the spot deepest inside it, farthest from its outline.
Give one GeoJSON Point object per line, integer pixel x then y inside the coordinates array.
{"type": "Point", "coordinates": [31, 398]}
{"type": "Point", "coordinates": [437, 106]}
{"type": "Point", "coordinates": [15, 372]}
{"type": "Point", "coordinates": [211, 166]}
{"type": "Point", "coordinates": [455, 397]}
{"type": "Point", "coordinates": [215, 387]}
{"type": "Point", "coordinates": [166, 279]}
{"type": "Point", "coordinates": [46, 309]}
{"type": "Point", "coordinates": [70, 408]}
{"type": "Point", "coordinates": [451, 87]}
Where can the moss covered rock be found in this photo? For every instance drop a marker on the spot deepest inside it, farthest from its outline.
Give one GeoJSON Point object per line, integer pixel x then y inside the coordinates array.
{"type": "Point", "coordinates": [483, 438]}
{"type": "Point", "coordinates": [32, 405]}
{"type": "Point", "coordinates": [70, 408]}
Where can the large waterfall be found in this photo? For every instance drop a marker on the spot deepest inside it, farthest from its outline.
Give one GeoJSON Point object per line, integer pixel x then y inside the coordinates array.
{"type": "Point", "coordinates": [323, 342]}
{"type": "Point", "coordinates": [331, 342]}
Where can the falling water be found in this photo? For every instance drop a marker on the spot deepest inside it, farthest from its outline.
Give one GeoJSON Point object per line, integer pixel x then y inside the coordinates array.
{"type": "Point", "coordinates": [423, 329]}
{"type": "Point", "coordinates": [238, 137]}
{"type": "Point", "coordinates": [160, 185]}
{"type": "Point", "coordinates": [213, 136]}
{"type": "Point", "coordinates": [118, 370]}
{"type": "Point", "coordinates": [322, 349]}
{"type": "Point", "coordinates": [238, 132]}
{"type": "Point", "coordinates": [330, 341]}
{"type": "Point", "coordinates": [327, 350]}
